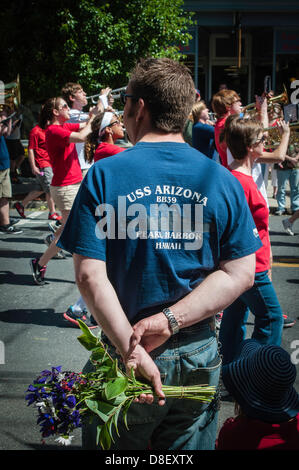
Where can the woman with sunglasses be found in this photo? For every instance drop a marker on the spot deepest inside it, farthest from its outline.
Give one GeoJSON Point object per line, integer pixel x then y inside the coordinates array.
{"type": "Point", "coordinates": [61, 138]}
{"type": "Point", "coordinates": [106, 129]}
{"type": "Point", "coordinates": [244, 138]}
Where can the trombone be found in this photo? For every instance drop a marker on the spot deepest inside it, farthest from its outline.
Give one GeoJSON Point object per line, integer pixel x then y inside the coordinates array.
{"type": "Point", "coordinates": [115, 94]}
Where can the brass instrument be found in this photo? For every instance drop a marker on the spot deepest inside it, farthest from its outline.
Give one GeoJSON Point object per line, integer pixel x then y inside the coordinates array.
{"type": "Point", "coordinates": [12, 95]}
{"type": "Point", "coordinates": [281, 99]}
{"type": "Point", "coordinates": [114, 93]}
{"type": "Point", "coordinates": [274, 135]}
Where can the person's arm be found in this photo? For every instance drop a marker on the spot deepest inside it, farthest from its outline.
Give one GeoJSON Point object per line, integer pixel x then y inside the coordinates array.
{"type": "Point", "coordinates": [31, 159]}
{"type": "Point", "coordinates": [103, 303]}
{"type": "Point", "coordinates": [6, 128]}
{"type": "Point", "coordinates": [279, 154]}
{"type": "Point", "coordinates": [214, 294]}
{"type": "Point", "coordinates": [85, 127]}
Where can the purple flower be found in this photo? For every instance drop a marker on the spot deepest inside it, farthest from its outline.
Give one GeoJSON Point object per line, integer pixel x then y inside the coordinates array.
{"type": "Point", "coordinates": [71, 401]}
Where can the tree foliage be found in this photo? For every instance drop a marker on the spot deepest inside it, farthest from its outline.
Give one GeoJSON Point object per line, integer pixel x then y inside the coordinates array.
{"type": "Point", "coordinates": [93, 42]}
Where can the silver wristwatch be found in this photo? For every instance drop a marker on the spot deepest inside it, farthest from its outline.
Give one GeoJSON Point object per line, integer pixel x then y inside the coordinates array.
{"type": "Point", "coordinates": [172, 321]}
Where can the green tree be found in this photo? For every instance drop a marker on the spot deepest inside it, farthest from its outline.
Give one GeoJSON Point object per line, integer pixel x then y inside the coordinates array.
{"type": "Point", "coordinates": [90, 41]}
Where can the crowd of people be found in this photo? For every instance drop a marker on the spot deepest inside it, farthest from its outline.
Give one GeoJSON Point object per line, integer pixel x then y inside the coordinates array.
{"type": "Point", "coordinates": [156, 286]}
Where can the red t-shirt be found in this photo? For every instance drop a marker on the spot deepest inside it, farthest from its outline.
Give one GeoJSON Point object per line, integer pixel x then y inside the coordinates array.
{"type": "Point", "coordinates": [243, 433]}
{"type": "Point", "coordinates": [105, 150]}
{"type": "Point", "coordinates": [63, 154]}
{"type": "Point", "coordinates": [260, 213]}
{"type": "Point", "coordinates": [37, 143]}
{"type": "Point", "coordinates": [221, 147]}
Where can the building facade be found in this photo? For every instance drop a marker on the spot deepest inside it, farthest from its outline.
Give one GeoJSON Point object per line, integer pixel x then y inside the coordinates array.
{"type": "Point", "coordinates": [240, 43]}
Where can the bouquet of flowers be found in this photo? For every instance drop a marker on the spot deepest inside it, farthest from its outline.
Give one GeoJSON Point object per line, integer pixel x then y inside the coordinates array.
{"type": "Point", "coordinates": [64, 399]}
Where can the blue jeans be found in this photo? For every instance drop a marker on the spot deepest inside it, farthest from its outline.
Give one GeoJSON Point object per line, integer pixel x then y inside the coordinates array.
{"type": "Point", "coordinates": [262, 301]}
{"type": "Point", "coordinates": [293, 177]}
{"type": "Point", "coordinates": [187, 358]}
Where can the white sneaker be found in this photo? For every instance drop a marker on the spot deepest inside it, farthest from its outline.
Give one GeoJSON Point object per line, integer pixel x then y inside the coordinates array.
{"type": "Point", "coordinates": [287, 226]}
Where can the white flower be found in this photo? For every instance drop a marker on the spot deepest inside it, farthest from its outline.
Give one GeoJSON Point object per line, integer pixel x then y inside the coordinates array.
{"type": "Point", "coordinates": [61, 376]}
{"type": "Point", "coordinates": [42, 405]}
{"type": "Point", "coordinates": [64, 440]}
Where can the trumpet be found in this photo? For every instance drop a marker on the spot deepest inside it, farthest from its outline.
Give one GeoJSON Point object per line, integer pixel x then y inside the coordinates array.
{"type": "Point", "coordinates": [274, 136]}
{"type": "Point", "coordinates": [281, 99]}
{"type": "Point", "coordinates": [115, 94]}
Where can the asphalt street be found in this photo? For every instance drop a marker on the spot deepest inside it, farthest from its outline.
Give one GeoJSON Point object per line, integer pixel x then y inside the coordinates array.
{"type": "Point", "coordinates": [34, 335]}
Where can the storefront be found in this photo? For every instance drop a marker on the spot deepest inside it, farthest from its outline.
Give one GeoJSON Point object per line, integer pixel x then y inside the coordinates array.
{"type": "Point", "coordinates": [238, 44]}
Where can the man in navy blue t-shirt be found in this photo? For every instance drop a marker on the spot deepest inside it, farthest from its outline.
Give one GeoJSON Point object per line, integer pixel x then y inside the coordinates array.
{"type": "Point", "coordinates": [162, 240]}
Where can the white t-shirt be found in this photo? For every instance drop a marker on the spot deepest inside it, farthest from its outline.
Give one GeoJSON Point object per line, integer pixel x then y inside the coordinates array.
{"type": "Point", "coordinates": [257, 175]}
{"type": "Point", "coordinates": [80, 116]}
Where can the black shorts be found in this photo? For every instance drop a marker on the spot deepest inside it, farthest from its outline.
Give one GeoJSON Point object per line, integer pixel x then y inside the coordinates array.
{"type": "Point", "coordinates": [15, 148]}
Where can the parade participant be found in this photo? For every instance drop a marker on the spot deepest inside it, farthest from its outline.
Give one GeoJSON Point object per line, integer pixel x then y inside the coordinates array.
{"type": "Point", "coordinates": [244, 138]}
{"type": "Point", "coordinates": [224, 103]}
{"type": "Point", "coordinates": [15, 149]}
{"type": "Point", "coordinates": [144, 273]}
{"type": "Point", "coordinates": [5, 183]}
{"type": "Point", "coordinates": [261, 380]}
{"type": "Point", "coordinates": [203, 132]}
{"type": "Point", "coordinates": [106, 129]}
{"type": "Point", "coordinates": [67, 176]}
{"type": "Point", "coordinates": [75, 97]}
{"type": "Point", "coordinates": [40, 165]}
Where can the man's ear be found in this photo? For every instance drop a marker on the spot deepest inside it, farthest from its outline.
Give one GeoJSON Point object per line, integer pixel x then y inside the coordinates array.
{"type": "Point", "coordinates": [141, 107]}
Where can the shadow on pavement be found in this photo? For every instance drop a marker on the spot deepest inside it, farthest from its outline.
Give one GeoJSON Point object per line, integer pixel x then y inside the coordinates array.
{"type": "Point", "coordinates": [24, 240]}
{"type": "Point", "coordinates": [45, 317]}
{"type": "Point", "coordinates": [7, 277]}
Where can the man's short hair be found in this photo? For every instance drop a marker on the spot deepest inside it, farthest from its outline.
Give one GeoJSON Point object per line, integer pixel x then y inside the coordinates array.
{"type": "Point", "coordinates": [68, 90]}
{"type": "Point", "coordinates": [240, 133]}
{"type": "Point", "coordinates": [167, 89]}
{"type": "Point", "coordinates": [222, 100]}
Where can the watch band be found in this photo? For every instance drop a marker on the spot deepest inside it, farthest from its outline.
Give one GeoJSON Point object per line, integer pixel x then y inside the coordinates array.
{"type": "Point", "coordinates": [172, 321]}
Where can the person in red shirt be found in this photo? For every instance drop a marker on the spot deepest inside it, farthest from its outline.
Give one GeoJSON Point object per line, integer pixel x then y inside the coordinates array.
{"type": "Point", "coordinates": [261, 381]}
{"type": "Point", "coordinates": [106, 129]}
{"type": "Point", "coordinates": [244, 138]}
{"type": "Point", "coordinates": [61, 138]}
{"type": "Point", "coordinates": [224, 103]}
{"type": "Point", "coordinates": [41, 167]}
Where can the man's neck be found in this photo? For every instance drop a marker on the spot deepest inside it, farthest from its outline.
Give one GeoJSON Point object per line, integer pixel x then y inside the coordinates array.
{"type": "Point", "coordinates": [162, 137]}
{"type": "Point", "coordinates": [77, 107]}
{"type": "Point", "coordinates": [243, 166]}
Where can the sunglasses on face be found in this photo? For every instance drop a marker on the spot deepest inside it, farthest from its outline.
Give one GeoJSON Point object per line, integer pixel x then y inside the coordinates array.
{"type": "Point", "coordinates": [261, 140]}
{"type": "Point", "coordinates": [124, 96]}
{"type": "Point", "coordinates": [112, 123]}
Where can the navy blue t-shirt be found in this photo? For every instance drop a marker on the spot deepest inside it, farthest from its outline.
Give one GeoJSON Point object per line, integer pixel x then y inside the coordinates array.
{"type": "Point", "coordinates": [141, 212]}
{"type": "Point", "coordinates": [203, 139]}
{"type": "Point", "coordinates": [4, 154]}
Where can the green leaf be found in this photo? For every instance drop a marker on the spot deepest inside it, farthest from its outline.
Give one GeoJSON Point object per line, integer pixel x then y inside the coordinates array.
{"type": "Point", "coordinates": [100, 408]}
{"type": "Point", "coordinates": [99, 429]}
{"type": "Point", "coordinates": [88, 340]}
{"type": "Point", "coordinates": [115, 387]}
{"type": "Point", "coordinates": [125, 411]}
{"type": "Point", "coordinates": [98, 354]}
{"type": "Point", "coordinates": [104, 438]}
